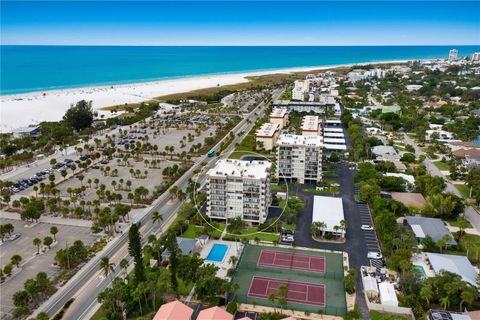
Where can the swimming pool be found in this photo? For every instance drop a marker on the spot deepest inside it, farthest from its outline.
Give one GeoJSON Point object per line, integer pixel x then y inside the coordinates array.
{"type": "Point", "coordinates": [420, 270]}
{"type": "Point", "coordinates": [217, 253]}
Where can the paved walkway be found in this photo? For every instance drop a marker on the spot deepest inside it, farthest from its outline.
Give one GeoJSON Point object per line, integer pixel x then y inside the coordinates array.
{"type": "Point", "coordinates": [50, 220]}
{"type": "Point", "coordinates": [469, 230]}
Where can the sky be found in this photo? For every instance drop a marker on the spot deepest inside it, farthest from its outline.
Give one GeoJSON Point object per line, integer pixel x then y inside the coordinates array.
{"type": "Point", "coordinates": [240, 23]}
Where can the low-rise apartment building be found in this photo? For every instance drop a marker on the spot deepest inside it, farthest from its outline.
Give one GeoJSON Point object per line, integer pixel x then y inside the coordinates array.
{"type": "Point", "coordinates": [280, 116]}
{"type": "Point", "coordinates": [299, 158]}
{"type": "Point", "coordinates": [238, 188]}
{"type": "Point", "coordinates": [310, 126]}
{"type": "Point", "coordinates": [267, 135]}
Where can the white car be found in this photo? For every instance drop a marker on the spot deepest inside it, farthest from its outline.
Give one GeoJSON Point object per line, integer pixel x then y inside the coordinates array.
{"type": "Point", "coordinates": [374, 255]}
{"type": "Point", "coordinates": [366, 227]}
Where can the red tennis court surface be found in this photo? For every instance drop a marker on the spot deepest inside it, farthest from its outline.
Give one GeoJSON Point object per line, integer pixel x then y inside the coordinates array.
{"type": "Point", "coordinates": [300, 292]}
{"type": "Point", "coordinates": [286, 260]}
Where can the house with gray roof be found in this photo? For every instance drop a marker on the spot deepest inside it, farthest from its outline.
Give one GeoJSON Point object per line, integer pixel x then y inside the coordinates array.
{"type": "Point", "coordinates": [423, 227]}
{"type": "Point", "coordinates": [455, 264]}
{"type": "Point", "coordinates": [185, 245]}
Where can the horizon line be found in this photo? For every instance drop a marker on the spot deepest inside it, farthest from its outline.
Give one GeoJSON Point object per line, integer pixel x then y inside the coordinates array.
{"type": "Point", "coordinates": [241, 45]}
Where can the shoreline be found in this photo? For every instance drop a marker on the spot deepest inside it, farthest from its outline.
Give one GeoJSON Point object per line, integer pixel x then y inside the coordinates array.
{"type": "Point", "coordinates": [52, 105]}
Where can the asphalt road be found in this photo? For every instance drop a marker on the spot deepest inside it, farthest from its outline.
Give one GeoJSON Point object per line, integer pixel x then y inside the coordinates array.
{"type": "Point", "coordinates": [470, 213]}
{"type": "Point", "coordinates": [88, 282]}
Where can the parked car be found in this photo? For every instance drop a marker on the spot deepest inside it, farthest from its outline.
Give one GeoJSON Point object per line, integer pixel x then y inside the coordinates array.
{"type": "Point", "coordinates": [96, 167]}
{"type": "Point", "coordinates": [366, 227]}
{"type": "Point", "coordinates": [104, 161]}
{"type": "Point", "coordinates": [374, 255]}
{"type": "Point", "coordinates": [14, 236]}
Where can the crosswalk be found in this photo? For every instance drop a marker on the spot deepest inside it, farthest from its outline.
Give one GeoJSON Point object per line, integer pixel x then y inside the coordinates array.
{"type": "Point", "coordinates": [371, 241]}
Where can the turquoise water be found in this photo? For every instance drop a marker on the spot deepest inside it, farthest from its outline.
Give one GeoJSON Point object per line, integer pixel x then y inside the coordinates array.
{"type": "Point", "coordinates": [217, 253]}
{"type": "Point", "coordinates": [39, 68]}
{"type": "Point", "coordinates": [420, 270]}
{"type": "Point", "coordinates": [477, 141]}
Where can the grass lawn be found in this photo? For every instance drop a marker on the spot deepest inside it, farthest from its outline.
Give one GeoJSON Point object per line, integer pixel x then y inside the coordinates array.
{"type": "Point", "coordinates": [276, 187]}
{"type": "Point", "coordinates": [325, 191]}
{"type": "Point", "coordinates": [376, 315]}
{"type": "Point", "coordinates": [443, 166]}
{"type": "Point", "coordinates": [253, 234]}
{"type": "Point", "coordinates": [463, 188]}
{"type": "Point", "coordinates": [194, 231]}
{"type": "Point", "coordinates": [329, 174]}
{"type": "Point", "coordinates": [191, 232]}
{"type": "Point", "coordinates": [454, 223]}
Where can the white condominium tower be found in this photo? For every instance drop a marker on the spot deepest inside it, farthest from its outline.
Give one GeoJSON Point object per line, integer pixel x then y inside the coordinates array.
{"type": "Point", "coordinates": [238, 188]}
{"type": "Point", "coordinates": [453, 54]}
{"type": "Point", "coordinates": [299, 158]}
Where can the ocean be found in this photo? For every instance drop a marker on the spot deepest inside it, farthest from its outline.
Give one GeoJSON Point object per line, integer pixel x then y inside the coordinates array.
{"type": "Point", "coordinates": [40, 68]}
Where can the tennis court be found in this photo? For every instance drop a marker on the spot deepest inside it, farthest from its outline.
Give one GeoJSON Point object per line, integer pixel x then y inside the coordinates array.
{"type": "Point", "coordinates": [301, 292]}
{"type": "Point", "coordinates": [288, 260]}
{"type": "Point", "coordinates": [314, 279]}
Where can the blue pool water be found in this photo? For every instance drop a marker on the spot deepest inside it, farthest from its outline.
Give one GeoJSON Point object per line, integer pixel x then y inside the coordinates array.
{"type": "Point", "coordinates": [420, 270]}
{"type": "Point", "coordinates": [217, 253]}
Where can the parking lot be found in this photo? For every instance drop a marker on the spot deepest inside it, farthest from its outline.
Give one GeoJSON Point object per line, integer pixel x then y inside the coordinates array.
{"type": "Point", "coordinates": [371, 241]}
{"type": "Point", "coordinates": [31, 263]}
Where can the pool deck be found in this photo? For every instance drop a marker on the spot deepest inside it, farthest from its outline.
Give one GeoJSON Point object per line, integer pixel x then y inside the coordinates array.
{"type": "Point", "coordinates": [420, 260]}
{"type": "Point", "coordinates": [234, 249]}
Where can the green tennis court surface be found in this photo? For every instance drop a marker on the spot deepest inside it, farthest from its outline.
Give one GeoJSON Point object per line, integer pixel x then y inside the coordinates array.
{"type": "Point", "coordinates": [302, 270]}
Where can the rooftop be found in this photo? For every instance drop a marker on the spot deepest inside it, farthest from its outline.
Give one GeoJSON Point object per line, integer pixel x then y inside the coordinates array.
{"type": "Point", "coordinates": [278, 112]}
{"type": "Point", "coordinates": [214, 313]}
{"type": "Point", "coordinates": [267, 130]}
{"type": "Point", "coordinates": [310, 123]}
{"type": "Point", "coordinates": [329, 210]}
{"type": "Point", "coordinates": [174, 310]}
{"type": "Point", "coordinates": [241, 169]}
{"type": "Point", "coordinates": [294, 139]}
{"type": "Point", "coordinates": [433, 227]}
{"type": "Point", "coordinates": [332, 129]}
{"type": "Point", "coordinates": [456, 264]}
{"type": "Point", "coordinates": [409, 199]}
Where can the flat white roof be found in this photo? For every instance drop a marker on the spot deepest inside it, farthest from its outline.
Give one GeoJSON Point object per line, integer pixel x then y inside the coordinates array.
{"type": "Point", "coordinates": [409, 178]}
{"type": "Point", "coordinates": [310, 123]}
{"type": "Point", "coordinates": [333, 135]}
{"type": "Point", "coordinates": [241, 169]}
{"type": "Point", "coordinates": [333, 121]}
{"type": "Point", "coordinates": [295, 139]}
{"type": "Point", "coordinates": [329, 210]}
{"type": "Point", "coordinates": [387, 294]}
{"type": "Point", "coordinates": [267, 130]}
{"type": "Point", "coordinates": [334, 140]}
{"type": "Point", "coordinates": [335, 146]}
{"type": "Point", "coordinates": [332, 129]}
{"type": "Point", "coordinates": [278, 112]}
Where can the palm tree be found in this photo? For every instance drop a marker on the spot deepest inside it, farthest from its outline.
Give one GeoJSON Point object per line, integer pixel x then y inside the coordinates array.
{"type": "Point", "coordinates": [16, 259]}
{"type": "Point", "coordinates": [445, 302]}
{"type": "Point", "coordinates": [272, 297]}
{"type": "Point", "coordinates": [54, 231]}
{"type": "Point", "coordinates": [233, 260]}
{"type": "Point", "coordinates": [156, 216]}
{"type": "Point", "coordinates": [124, 266]}
{"type": "Point", "coordinates": [468, 295]}
{"type": "Point", "coordinates": [426, 294]}
{"type": "Point", "coordinates": [37, 242]}
{"type": "Point", "coordinates": [106, 266]}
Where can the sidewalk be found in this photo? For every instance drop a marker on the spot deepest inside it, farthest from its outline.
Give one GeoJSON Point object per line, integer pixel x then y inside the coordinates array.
{"type": "Point", "coordinates": [50, 220]}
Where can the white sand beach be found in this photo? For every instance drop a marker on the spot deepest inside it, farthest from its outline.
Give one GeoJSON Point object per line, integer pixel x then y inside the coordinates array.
{"type": "Point", "coordinates": [20, 110]}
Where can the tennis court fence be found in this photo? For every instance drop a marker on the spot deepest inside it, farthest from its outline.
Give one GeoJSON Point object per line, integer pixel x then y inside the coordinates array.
{"type": "Point", "coordinates": [331, 310]}
{"type": "Point", "coordinates": [249, 265]}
